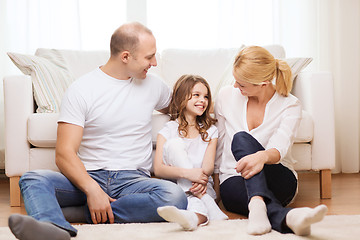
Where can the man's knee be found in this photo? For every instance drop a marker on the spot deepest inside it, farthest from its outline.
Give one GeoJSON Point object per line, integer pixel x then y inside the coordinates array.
{"type": "Point", "coordinates": [173, 195]}
{"type": "Point", "coordinates": [34, 177]}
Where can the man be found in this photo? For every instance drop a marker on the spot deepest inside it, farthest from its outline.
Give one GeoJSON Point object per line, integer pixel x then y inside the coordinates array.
{"type": "Point", "coordinates": [103, 148]}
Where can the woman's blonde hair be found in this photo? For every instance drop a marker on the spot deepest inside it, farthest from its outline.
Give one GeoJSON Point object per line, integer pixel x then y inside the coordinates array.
{"type": "Point", "coordinates": [182, 93]}
{"type": "Point", "coordinates": [256, 65]}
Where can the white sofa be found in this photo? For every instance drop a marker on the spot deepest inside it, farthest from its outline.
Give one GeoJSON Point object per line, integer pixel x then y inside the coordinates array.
{"type": "Point", "coordinates": [30, 136]}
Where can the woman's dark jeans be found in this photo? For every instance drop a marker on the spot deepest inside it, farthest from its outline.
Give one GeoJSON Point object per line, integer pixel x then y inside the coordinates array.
{"type": "Point", "coordinates": [275, 183]}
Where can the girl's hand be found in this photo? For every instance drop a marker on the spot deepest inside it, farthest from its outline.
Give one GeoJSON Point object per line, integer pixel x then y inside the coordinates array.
{"type": "Point", "coordinates": [196, 175]}
{"type": "Point", "coordinates": [198, 190]}
{"type": "Point", "coordinates": [252, 164]}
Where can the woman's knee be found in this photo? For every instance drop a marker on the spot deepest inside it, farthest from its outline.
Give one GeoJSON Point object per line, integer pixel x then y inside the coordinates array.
{"type": "Point", "coordinates": [244, 144]}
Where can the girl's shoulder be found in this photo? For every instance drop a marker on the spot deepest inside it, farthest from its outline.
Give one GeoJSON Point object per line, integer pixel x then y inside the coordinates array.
{"type": "Point", "coordinates": [213, 128]}
{"type": "Point", "coordinates": [169, 129]}
{"type": "Point", "coordinates": [212, 131]}
{"type": "Point", "coordinates": [172, 124]}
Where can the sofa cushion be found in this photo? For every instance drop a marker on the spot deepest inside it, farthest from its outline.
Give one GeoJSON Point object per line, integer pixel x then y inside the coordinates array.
{"type": "Point", "coordinates": [305, 132]}
{"type": "Point", "coordinates": [49, 75]}
{"type": "Point", "coordinates": [81, 62]}
{"type": "Point", "coordinates": [297, 65]}
{"type": "Point", "coordinates": [215, 65]}
{"type": "Point", "coordinates": [301, 153]}
{"type": "Point", "coordinates": [211, 64]}
{"type": "Point", "coordinates": [42, 158]}
{"type": "Point", "coordinates": [42, 128]}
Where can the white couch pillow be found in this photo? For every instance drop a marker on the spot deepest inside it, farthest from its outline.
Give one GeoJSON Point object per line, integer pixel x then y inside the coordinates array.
{"type": "Point", "coordinates": [50, 78]}
{"type": "Point", "coordinates": [297, 65]}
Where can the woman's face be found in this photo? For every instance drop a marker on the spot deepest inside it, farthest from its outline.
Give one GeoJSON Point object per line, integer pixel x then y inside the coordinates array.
{"type": "Point", "coordinates": [247, 89]}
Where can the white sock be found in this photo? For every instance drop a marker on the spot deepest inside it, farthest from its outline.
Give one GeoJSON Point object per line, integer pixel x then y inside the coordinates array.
{"type": "Point", "coordinates": [300, 219]}
{"type": "Point", "coordinates": [258, 219]}
{"type": "Point", "coordinates": [187, 219]}
{"type": "Point", "coordinates": [213, 209]}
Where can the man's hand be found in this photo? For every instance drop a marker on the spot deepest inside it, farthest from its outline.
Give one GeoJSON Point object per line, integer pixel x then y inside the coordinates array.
{"type": "Point", "coordinates": [252, 164]}
{"type": "Point", "coordinates": [198, 190]}
{"type": "Point", "coordinates": [197, 175]}
{"type": "Point", "coordinates": [99, 206]}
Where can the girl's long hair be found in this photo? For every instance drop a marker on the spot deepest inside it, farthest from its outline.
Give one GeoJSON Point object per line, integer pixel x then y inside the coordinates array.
{"type": "Point", "coordinates": [182, 93]}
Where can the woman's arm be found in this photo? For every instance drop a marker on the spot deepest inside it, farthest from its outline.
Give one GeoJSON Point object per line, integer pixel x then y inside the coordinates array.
{"type": "Point", "coordinates": [171, 172]}
{"type": "Point", "coordinates": [254, 163]}
{"type": "Point", "coordinates": [278, 145]}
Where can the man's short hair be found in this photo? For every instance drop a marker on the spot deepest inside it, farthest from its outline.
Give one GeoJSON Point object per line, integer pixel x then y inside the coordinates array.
{"type": "Point", "coordinates": [126, 38]}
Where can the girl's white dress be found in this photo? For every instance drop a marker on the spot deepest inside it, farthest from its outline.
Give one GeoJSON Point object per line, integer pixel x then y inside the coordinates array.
{"type": "Point", "coordinates": [188, 153]}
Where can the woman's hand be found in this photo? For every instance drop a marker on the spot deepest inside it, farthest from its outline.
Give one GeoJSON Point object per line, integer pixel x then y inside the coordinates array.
{"type": "Point", "coordinates": [198, 190]}
{"type": "Point", "coordinates": [196, 175]}
{"type": "Point", "coordinates": [252, 164]}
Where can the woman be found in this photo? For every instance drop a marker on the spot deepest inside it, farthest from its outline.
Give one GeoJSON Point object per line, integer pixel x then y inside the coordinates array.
{"type": "Point", "coordinates": [257, 122]}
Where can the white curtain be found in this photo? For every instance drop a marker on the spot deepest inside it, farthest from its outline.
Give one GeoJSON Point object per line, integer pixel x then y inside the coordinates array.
{"type": "Point", "coordinates": [327, 30]}
{"type": "Point", "coordinates": [26, 25]}
{"type": "Point", "coordinates": [210, 23]}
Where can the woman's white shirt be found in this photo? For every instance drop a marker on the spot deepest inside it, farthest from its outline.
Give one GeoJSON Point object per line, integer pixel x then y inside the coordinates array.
{"type": "Point", "coordinates": [278, 129]}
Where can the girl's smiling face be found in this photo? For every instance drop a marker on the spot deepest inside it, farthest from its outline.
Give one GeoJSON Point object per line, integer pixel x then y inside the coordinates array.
{"type": "Point", "coordinates": [199, 100]}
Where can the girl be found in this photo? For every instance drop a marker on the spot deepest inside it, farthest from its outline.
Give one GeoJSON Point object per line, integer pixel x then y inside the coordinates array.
{"type": "Point", "coordinates": [185, 151]}
{"type": "Point", "coordinates": [258, 120]}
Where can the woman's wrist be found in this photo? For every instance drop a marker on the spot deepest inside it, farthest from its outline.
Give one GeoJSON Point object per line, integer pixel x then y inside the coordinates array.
{"type": "Point", "coordinates": [264, 157]}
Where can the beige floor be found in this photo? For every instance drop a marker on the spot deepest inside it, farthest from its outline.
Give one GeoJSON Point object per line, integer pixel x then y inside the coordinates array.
{"type": "Point", "coordinates": [345, 196]}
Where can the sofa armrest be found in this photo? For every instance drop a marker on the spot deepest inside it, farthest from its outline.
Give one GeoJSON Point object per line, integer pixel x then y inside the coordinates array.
{"type": "Point", "coordinates": [316, 92]}
{"type": "Point", "coordinates": [19, 104]}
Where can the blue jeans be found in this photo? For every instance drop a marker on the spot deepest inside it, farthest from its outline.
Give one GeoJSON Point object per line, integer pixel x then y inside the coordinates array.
{"type": "Point", "coordinates": [275, 183]}
{"type": "Point", "coordinates": [138, 196]}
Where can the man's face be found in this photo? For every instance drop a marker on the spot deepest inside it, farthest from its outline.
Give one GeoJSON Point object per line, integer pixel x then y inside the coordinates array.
{"type": "Point", "coordinates": [143, 58]}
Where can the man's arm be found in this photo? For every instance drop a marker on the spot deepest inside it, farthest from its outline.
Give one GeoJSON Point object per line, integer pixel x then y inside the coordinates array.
{"type": "Point", "coordinates": [69, 137]}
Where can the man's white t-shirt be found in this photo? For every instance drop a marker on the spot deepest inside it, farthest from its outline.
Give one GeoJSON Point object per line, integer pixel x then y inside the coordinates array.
{"type": "Point", "coordinates": [116, 117]}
